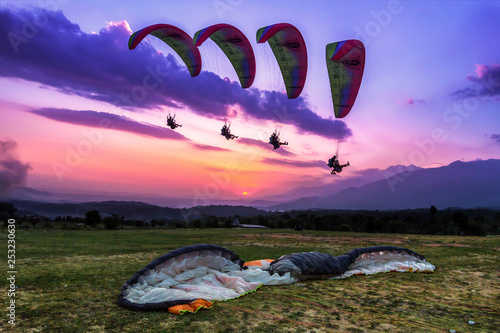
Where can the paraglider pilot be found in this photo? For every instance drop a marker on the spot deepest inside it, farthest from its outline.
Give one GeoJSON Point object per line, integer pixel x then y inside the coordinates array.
{"type": "Point", "coordinates": [335, 164]}
{"type": "Point", "coordinates": [171, 122]}
{"type": "Point", "coordinates": [226, 132]}
{"type": "Point", "coordinates": [275, 141]}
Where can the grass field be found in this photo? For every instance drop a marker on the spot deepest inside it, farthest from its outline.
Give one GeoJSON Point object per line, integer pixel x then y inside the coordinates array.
{"type": "Point", "coordinates": [68, 281]}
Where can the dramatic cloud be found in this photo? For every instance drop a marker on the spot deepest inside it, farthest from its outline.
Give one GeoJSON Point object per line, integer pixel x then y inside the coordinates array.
{"type": "Point", "coordinates": [485, 83]}
{"type": "Point", "coordinates": [264, 145]}
{"type": "Point", "coordinates": [13, 172]}
{"type": "Point", "coordinates": [105, 120]}
{"type": "Point", "coordinates": [44, 46]}
{"type": "Point", "coordinates": [496, 137]}
{"type": "Point", "coordinates": [300, 164]}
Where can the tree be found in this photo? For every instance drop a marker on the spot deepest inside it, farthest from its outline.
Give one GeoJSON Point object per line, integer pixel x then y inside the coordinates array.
{"type": "Point", "coordinates": [461, 220]}
{"type": "Point", "coordinates": [318, 223]}
{"type": "Point", "coordinates": [112, 222]}
{"type": "Point", "coordinates": [397, 227]}
{"type": "Point", "coordinates": [93, 218]}
{"type": "Point", "coordinates": [195, 224]}
{"type": "Point", "coordinates": [227, 223]}
{"type": "Point", "coordinates": [139, 223]}
{"type": "Point", "coordinates": [7, 208]}
{"type": "Point", "coordinates": [212, 222]}
{"type": "Point", "coordinates": [433, 210]}
{"type": "Point", "coordinates": [345, 227]}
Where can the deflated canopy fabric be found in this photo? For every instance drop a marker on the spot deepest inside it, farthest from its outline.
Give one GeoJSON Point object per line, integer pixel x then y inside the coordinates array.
{"type": "Point", "coordinates": [177, 39]}
{"type": "Point", "coordinates": [345, 62]}
{"type": "Point", "coordinates": [290, 51]}
{"type": "Point", "coordinates": [211, 273]}
{"type": "Point", "coordinates": [184, 275]}
{"type": "Point", "coordinates": [235, 46]}
{"type": "Point", "coordinates": [366, 260]}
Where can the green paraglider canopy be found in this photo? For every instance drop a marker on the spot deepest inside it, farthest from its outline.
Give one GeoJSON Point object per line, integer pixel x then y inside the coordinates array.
{"type": "Point", "coordinates": [345, 62]}
{"type": "Point", "coordinates": [290, 51]}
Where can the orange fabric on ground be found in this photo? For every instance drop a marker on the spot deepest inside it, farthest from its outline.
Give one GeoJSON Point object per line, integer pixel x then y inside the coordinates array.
{"type": "Point", "coordinates": [257, 262]}
{"type": "Point", "coordinates": [193, 307]}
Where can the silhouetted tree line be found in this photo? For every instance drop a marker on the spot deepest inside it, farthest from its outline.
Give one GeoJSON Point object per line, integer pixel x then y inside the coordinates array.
{"type": "Point", "coordinates": [469, 222]}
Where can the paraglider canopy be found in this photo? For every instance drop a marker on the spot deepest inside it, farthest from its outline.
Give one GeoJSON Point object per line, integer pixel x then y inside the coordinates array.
{"type": "Point", "coordinates": [235, 46]}
{"type": "Point", "coordinates": [290, 51]}
{"type": "Point", "coordinates": [345, 61]}
{"type": "Point", "coordinates": [177, 39]}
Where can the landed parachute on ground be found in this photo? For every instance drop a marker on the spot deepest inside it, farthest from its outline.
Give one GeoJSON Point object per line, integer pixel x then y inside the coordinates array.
{"type": "Point", "coordinates": [235, 46]}
{"type": "Point", "coordinates": [290, 51]}
{"type": "Point", "coordinates": [177, 39]}
{"type": "Point", "coordinates": [193, 277]}
{"type": "Point", "coordinates": [345, 62]}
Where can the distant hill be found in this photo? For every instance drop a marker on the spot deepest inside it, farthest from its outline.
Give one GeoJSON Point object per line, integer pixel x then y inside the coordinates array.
{"type": "Point", "coordinates": [460, 184]}
{"type": "Point", "coordinates": [363, 178]}
{"type": "Point", "coordinates": [131, 210]}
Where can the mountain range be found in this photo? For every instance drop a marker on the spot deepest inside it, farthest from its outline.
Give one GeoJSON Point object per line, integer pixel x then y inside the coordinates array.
{"type": "Point", "coordinates": [460, 184]}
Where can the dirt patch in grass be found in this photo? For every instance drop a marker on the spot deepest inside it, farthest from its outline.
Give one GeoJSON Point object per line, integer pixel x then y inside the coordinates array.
{"type": "Point", "coordinates": [447, 244]}
{"type": "Point", "coordinates": [323, 239]}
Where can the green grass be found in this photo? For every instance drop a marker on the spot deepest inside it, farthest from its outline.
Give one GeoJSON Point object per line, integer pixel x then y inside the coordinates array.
{"type": "Point", "coordinates": [69, 281]}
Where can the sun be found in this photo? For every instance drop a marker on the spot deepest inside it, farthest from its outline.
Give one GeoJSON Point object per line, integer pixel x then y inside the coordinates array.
{"type": "Point", "coordinates": [245, 193]}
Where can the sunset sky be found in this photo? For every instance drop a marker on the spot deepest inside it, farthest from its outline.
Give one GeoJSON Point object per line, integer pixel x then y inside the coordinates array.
{"type": "Point", "coordinates": [82, 113]}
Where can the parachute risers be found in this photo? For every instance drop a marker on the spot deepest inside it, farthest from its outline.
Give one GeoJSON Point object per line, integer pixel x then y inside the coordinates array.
{"type": "Point", "coordinates": [290, 51]}
{"type": "Point", "coordinates": [177, 39]}
{"type": "Point", "coordinates": [198, 275]}
{"type": "Point", "coordinates": [235, 46]}
{"type": "Point", "coordinates": [345, 61]}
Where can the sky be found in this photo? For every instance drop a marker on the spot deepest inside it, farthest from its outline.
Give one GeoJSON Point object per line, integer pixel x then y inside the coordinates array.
{"type": "Point", "coordinates": [81, 113]}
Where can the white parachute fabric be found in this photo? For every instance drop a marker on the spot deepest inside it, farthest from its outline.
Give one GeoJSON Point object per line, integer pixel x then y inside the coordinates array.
{"type": "Point", "coordinates": [213, 273]}
{"type": "Point", "coordinates": [180, 281]}
{"type": "Point", "coordinates": [201, 282]}
{"type": "Point", "coordinates": [263, 276]}
{"type": "Point", "coordinates": [386, 261]}
{"type": "Point", "coordinates": [197, 273]}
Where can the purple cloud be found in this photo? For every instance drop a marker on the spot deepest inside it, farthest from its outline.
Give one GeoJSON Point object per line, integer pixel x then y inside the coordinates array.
{"type": "Point", "coordinates": [496, 137]}
{"type": "Point", "coordinates": [44, 46]}
{"type": "Point", "coordinates": [105, 120]}
{"type": "Point", "coordinates": [13, 172]}
{"type": "Point", "coordinates": [207, 147]}
{"type": "Point", "coordinates": [300, 164]}
{"type": "Point", "coordinates": [485, 83]}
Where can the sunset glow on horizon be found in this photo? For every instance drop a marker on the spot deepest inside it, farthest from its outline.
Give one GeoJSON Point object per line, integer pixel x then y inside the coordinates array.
{"type": "Point", "coordinates": [82, 113]}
